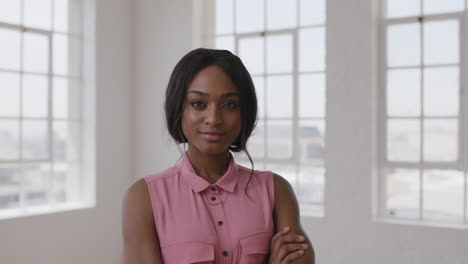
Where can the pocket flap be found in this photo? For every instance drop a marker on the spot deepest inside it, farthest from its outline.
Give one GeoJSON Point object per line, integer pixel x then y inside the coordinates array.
{"type": "Point", "coordinates": [188, 252]}
{"type": "Point", "coordinates": [258, 243]}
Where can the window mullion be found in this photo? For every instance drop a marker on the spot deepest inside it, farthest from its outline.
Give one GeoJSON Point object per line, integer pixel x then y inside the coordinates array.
{"type": "Point", "coordinates": [20, 123]}
{"type": "Point", "coordinates": [50, 109]}
{"type": "Point", "coordinates": [422, 116]}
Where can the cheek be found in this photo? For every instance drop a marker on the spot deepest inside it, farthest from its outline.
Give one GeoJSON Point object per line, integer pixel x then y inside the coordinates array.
{"type": "Point", "coordinates": [189, 119]}
{"type": "Point", "coordinates": [235, 122]}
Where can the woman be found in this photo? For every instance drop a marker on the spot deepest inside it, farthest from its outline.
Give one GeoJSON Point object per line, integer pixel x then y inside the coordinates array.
{"type": "Point", "coordinates": [208, 209]}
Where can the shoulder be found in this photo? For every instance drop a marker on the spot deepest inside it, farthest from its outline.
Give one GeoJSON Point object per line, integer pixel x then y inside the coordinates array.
{"type": "Point", "coordinates": [140, 238]}
{"type": "Point", "coordinates": [168, 173]}
{"type": "Point", "coordinates": [137, 201]}
{"type": "Point", "coordinates": [283, 188]}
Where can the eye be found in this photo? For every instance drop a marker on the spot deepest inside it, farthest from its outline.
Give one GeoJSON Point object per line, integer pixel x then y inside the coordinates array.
{"type": "Point", "coordinates": [197, 104]}
{"type": "Point", "coordinates": [231, 105]}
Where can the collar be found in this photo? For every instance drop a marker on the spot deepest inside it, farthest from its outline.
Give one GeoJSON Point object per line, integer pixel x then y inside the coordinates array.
{"type": "Point", "coordinates": [227, 182]}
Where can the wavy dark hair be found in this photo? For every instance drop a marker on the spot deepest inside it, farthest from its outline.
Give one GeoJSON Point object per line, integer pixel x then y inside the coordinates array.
{"type": "Point", "coordinates": [183, 74]}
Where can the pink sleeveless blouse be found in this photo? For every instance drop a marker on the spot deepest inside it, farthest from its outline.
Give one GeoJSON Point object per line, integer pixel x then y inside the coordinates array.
{"type": "Point", "coordinates": [228, 222]}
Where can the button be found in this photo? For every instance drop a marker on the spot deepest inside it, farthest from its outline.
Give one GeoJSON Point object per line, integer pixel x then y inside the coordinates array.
{"type": "Point", "coordinates": [213, 189]}
{"type": "Point", "coordinates": [225, 253]}
{"type": "Point", "coordinates": [220, 223]}
{"type": "Point", "coordinates": [213, 198]}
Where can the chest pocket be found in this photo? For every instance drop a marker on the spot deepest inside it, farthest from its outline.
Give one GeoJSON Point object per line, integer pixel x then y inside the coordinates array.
{"type": "Point", "coordinates": [188, 252]}
{"type": "Point", "coordinates": [254, 248]}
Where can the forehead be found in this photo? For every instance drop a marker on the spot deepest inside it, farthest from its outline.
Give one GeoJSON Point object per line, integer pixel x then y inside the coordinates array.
{"type": "Point", "coordinates": [212, 80]}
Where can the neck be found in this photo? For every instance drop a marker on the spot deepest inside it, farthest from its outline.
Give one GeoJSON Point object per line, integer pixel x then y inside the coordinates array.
{"type": "Point", "coordinates": [209, 167]}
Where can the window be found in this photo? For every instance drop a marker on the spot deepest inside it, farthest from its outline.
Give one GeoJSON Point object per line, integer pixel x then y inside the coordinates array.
{"type": "Point", "coordinates": [282, 44]}
{"type": "Point", "coordinates": [425, 110]}
{"type": "Point", "coordinates": [41, 96]}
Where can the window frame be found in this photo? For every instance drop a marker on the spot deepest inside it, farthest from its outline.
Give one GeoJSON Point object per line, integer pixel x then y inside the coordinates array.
{"type": "Point", "coordinates": [461, 164]}
{"type": "Point", "coordinates": [81, 34]}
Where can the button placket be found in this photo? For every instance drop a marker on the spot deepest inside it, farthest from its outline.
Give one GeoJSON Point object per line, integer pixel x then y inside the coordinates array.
{"type": "Point", "coordinates": [215, 200]}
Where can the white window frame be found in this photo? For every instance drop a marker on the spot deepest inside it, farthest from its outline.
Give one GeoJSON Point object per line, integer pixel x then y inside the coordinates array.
{"type": "Point", "coordinates": [84, 118]}
{"type": "Point", "coordinates": [462, 163]}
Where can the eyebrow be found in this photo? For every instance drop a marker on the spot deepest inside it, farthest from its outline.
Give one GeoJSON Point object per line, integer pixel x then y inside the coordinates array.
{"type": "Point", "coordinates": [224, 95]}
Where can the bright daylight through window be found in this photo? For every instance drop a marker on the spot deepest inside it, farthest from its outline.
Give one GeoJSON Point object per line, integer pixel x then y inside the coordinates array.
{"type": "Point", "coordinates": [282, 44]}
{"type": "Point", "coordinates": [425, 111]}
{"type": "Point", "coordinates": [40, 106]}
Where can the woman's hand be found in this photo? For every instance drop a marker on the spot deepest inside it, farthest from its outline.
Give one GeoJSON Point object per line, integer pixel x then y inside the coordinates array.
{"type": "Point", "coordinates": [285, 248]}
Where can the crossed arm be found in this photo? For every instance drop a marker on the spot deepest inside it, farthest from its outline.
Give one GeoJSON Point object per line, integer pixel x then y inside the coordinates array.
{"type": "Point", "coordinates": [286, 213]}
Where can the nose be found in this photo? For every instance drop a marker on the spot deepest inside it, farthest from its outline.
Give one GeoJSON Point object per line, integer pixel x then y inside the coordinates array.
{"type": "Point", "coordinates": [213, 116]}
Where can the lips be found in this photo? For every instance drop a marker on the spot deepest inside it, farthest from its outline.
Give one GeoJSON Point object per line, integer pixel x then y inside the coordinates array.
{"type": "Point", "coordinates": [212, 135]}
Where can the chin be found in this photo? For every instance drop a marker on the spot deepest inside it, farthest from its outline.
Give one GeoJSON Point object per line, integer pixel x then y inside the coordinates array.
{"type": "Point", "coordinates": [212, 150]}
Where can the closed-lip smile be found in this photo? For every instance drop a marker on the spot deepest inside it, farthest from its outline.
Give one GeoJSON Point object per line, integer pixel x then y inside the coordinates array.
{"type": "Point", "coordinates": [212, 135]}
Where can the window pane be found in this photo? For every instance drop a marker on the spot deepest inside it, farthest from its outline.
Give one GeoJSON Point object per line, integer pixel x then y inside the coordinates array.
{"type": "Point", "coordinates": [9, 94]}
{"type": "Point", "coordinates": [403, 140]}
{"type": "Point", "coordinates": [259, 83]}
{"type": "Point", "coordinates": [441, 91]}
{"type": "Point", "coordinates": [9, 136]}
{"type": "Point", "coordinates": [279, 54]}
{"type": "Point", "coordinates": [226, 43]}
{"type": "Point", "coordinates": [403, 188]}
{"type": "Point", "coordinates": [279, 139]}
{"type": "Point", "coordinates": [61, 15]}
{"type": "Point", "coordinates": [256, 143]}
{"type": "Point", "coordinates": [250, 16]}
{"type": "Point", "coordinates": [443, 195]}
{"type": "Point", "coordinates": [61, 54]}
{"type": "Point", "coordinates": [403, 8]}
{"type": "Point", "coordinates": [312, 12]}
{"type": "Point", "coordinates": [311, 95]}
{"type": "Point", "coordinates": [312, 49]}
{"type": "Point", "coordinates": [440, 140]}
{"type": "Point", "coordinates": [403, 45]}
{"type": "Point", "coordinates": [60, 182]}
{"type": "Point", "coordinates": [224, 16]}
{"type": "Point", "coordinates": [36, 53]}
{"type": "Point", "coordinates": [35, 139]}
{"type": "Point", "coordinates": [281, 14]}
{"type": "Point", "coordinates": [10, 12]}
{"type": "Point", "coordinates": [279, 93]}
{"type": "Point", "coordinates": [36, 181]}
{"type": "Point", "coordinates": [37, 13]}
{"type": "Point", "coordinates": [9, 186]}
{"type": "Point", "coordinates": [65, 140]}
{"type": "Point", "coordinates": [10, 49]}
{"type": "Point", "coordinates": [312, 142]}
{"type": "Point", "coordinates": [61, 99]}
{"type": "Point", "coordinates": [251, 51]}
{"type": "Point", "coordinates": [404, 92]}
{"type": "Point", "coordinates": [441, 42]}
{"type": "Point", "coordinates": [35, 95]}
{"type": "Point", "coordinates": [438, 6]}
{"type": "Point", "coordinates": [311, 185]}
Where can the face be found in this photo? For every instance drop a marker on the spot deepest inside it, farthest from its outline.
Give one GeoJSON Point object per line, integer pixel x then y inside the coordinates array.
{"type": "Point", "coordinates": [211, 120]}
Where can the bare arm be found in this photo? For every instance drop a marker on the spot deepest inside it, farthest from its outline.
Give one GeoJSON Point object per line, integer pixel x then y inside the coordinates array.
{"type": "Point", "coordinates": [286, 213]}
{"type": "Point", "coordinates": [140, 238]}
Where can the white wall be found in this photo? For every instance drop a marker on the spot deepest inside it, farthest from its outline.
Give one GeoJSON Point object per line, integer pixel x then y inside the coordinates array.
{"type": "Point", "coordinates": [90, 235]}
{"type": "Point", "coordinates": [162, 36]}
{"type": "Point", "coordinates": [347, 233]}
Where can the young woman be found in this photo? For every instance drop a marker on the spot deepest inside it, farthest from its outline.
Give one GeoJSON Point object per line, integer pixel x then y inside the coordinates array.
{"type": "Point", "coordinates": [207, 208]}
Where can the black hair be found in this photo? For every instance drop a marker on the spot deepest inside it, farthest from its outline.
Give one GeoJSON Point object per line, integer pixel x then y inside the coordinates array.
{"type": "Point", "coordinates": [183, 74]}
